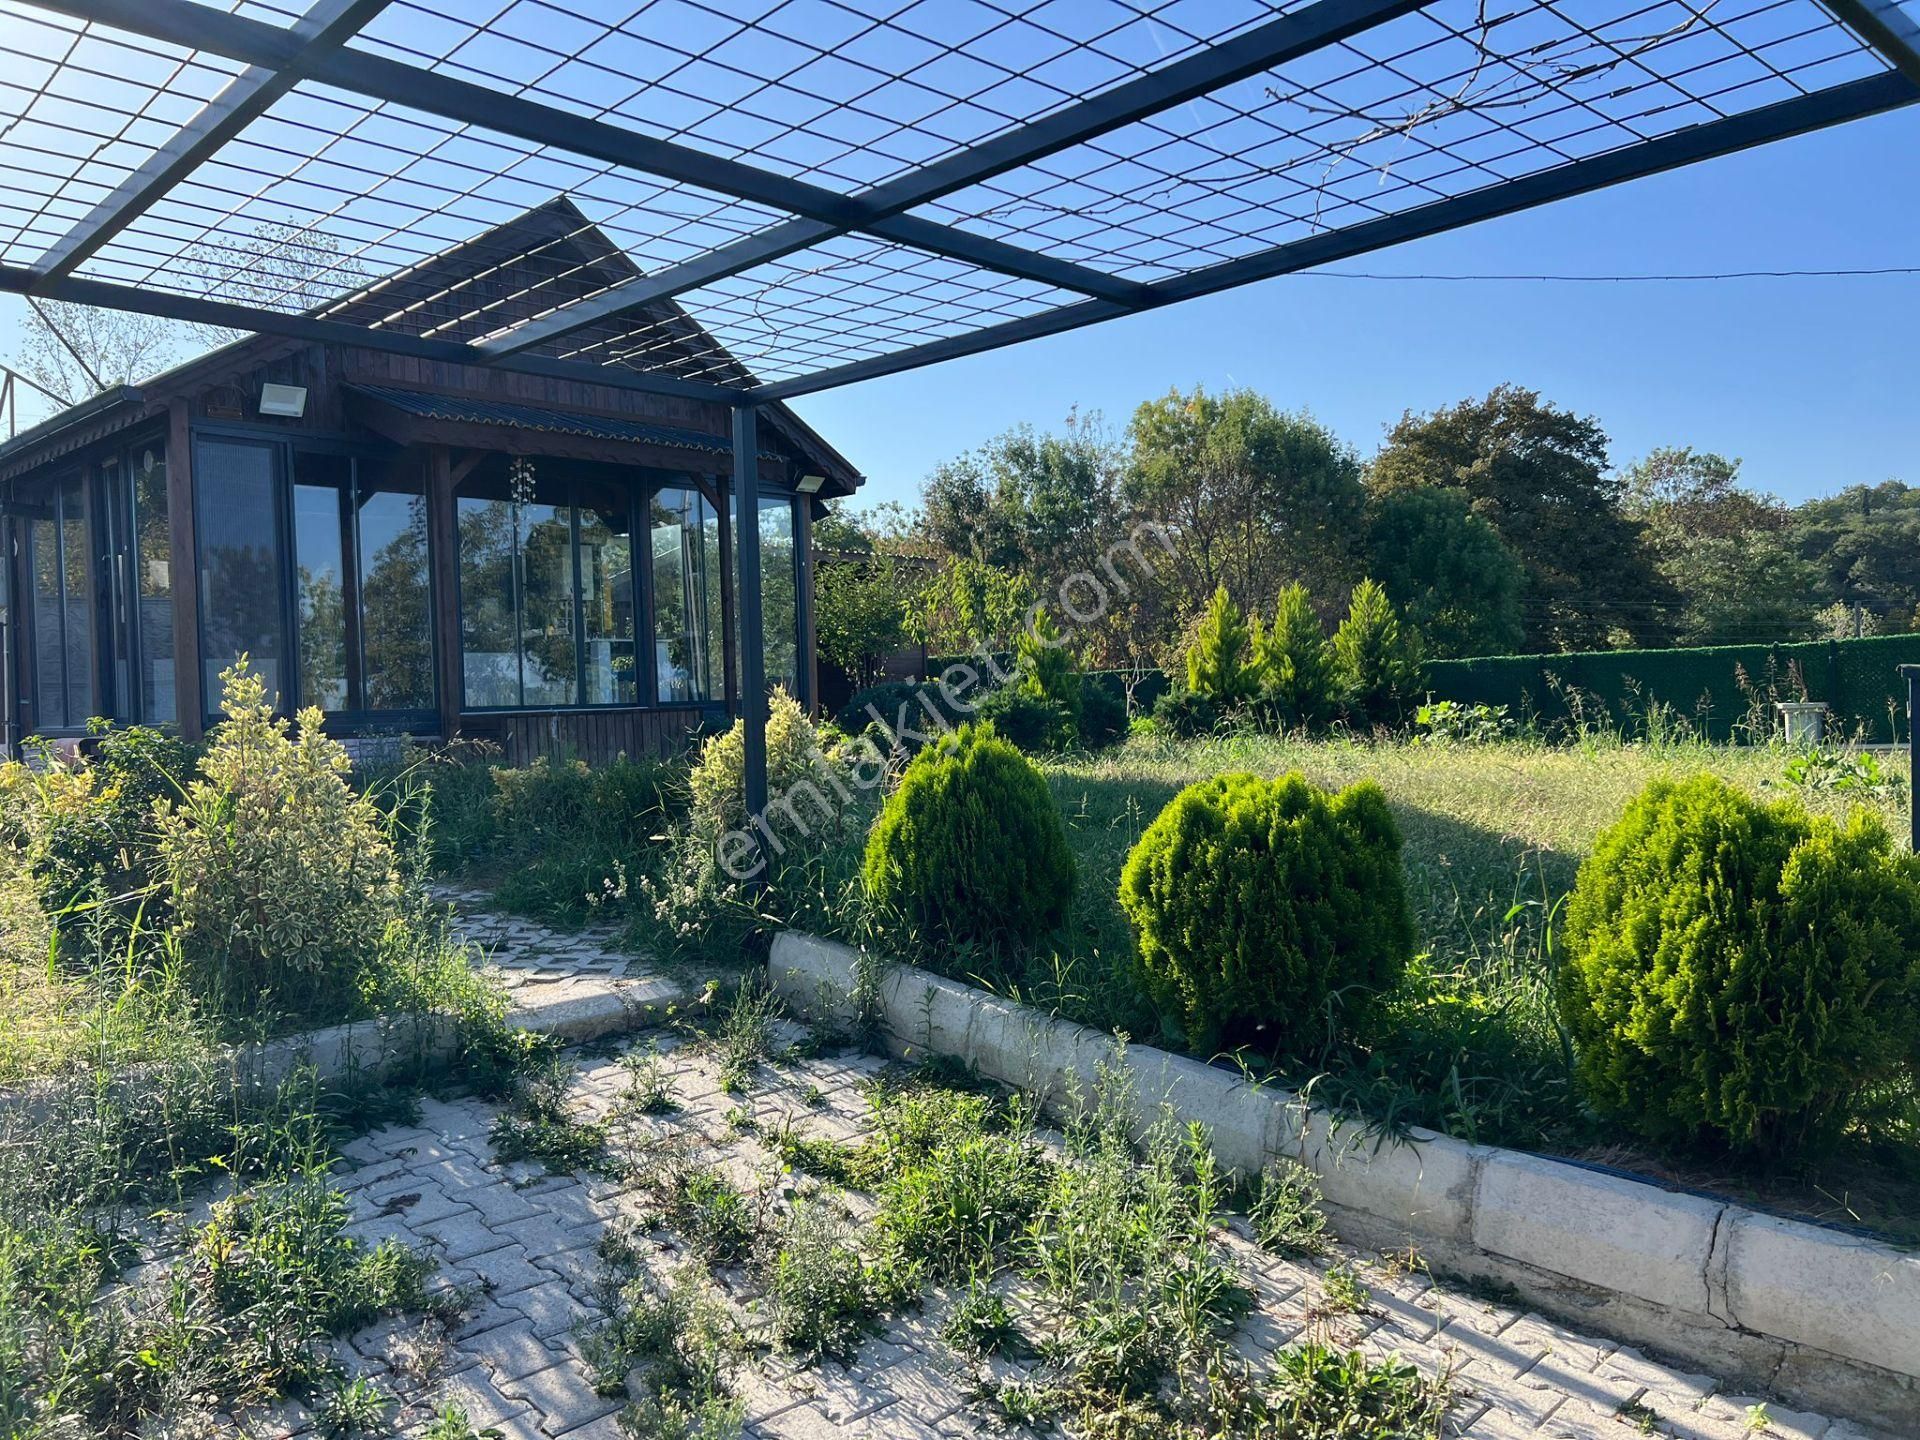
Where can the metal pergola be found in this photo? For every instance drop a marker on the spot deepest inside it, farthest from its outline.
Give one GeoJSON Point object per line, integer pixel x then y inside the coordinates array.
{"type": "Point", "coordinates": [842, 189]}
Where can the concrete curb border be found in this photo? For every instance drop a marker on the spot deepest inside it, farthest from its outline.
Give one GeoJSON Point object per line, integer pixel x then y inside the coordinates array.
{"type": "Point", "coordinates": [376, 1047]}
{"type": "Point", "coordinates": [1821, 1318]}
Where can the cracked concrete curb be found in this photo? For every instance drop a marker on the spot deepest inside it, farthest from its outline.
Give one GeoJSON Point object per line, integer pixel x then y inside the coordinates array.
{"type": "Point", "coordinates": [1824, 1318]}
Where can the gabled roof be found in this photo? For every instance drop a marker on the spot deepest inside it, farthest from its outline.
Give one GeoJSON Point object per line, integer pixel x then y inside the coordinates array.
{"type": "Point", "coordinates": [547, 257]}
{"type": "Point", "coordinates": [537, 262]}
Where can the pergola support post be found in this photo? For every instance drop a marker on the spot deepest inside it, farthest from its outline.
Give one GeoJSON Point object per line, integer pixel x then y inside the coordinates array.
{"type": "Point", "coordinates": [753, 654]}
{"type": "Point", "coordinates": [1911, 674]}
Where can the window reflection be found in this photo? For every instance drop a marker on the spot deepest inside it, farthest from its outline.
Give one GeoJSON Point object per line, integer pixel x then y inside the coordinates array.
{"type": "Point", "coordinates": [62, 604]}
{"type": "Point", "coordinates": [687, 562]}
{"type": "Point", "coordinates": [242, 602]}
{"type": "Point", "coordinates": [547, 610]}
{"type": "Point", "coordinates": [320, 595]}
{"type": "Point", "coordinates": [396, 605]}
{"type": "Point", "coordinates": [153, 584]}
{"type": "Point", "coordinates": [606, 598]}
{"type": "Point", "coordinates": [779, 593]}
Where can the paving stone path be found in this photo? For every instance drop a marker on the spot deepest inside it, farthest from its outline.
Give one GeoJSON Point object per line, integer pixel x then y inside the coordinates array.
{"type": "Point", "coordinates": [524, 1246]}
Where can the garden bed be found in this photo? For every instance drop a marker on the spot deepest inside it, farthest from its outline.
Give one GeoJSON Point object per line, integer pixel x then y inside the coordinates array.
{"type": "Point", "coordinates": [1820, 1316]}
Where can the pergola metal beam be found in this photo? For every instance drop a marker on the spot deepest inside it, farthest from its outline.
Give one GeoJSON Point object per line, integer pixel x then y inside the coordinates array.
{"type": "Point", "coordinates": [1886, 29]}
{"type": "Point", "coordinates": [246, 97]}
{"type": "Point", "coordinates": [1854, 100]}
{"type": "Point", "coordinates": [377, 77]}
{"type": "Point", "coordinates": [1323, 23]}
{"type": "Point", "coordinates": [18, 279]}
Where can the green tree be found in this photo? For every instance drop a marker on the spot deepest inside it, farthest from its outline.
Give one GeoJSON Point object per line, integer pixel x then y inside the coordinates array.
{"type": "Point", "coordinates": [969, 605]}
{"type": "Point", "coordinates": [1296, 662]}
{"type": "Point", "coordinates": [1252, 496]}
{"type": "Point", "coordinates": [1864, 546]}
{"type": "Point", "coordinates": [1037, 503]}
{"type": "Point", "coordinates": [1726, 552]}
{"type": "Point", "coordinates": [1221, 662]}
{"type": "Point", "coordinates": [1046, 665]}
{"type": "Point", "coordinates": [1449, 572]}
{"type": "Point", "coordinates": [1377, 658]}
{"type": "Point", "coordinates": [1538, 475]}
{"type": "Point", "coordinates": [860, 612]}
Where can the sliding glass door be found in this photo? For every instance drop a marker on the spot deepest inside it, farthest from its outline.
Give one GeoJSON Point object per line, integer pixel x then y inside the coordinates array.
{"type": "Point", "coordinates": [60, 580]}
{"type": "Point", "coordinates": [547, 609]}
{"type": "Point", "coordinates": [314, 565]}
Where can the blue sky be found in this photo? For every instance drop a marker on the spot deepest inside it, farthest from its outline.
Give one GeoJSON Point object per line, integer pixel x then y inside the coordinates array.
{"type": "Point", "coordinates": [1815, 384]}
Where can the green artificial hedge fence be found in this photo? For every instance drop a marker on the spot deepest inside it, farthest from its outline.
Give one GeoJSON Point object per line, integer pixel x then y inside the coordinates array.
{"type": "Point", "coordinates": [1717, 689]}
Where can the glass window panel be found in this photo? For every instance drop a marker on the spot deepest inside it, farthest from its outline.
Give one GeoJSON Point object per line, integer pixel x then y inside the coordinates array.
{"type": "Point", "coordinates": [551, 659]}
{"type": "Point", "coordinates": [49, 646]}
{"type": "Point", "coordinates": [488, 628]}
{"type": "Point", "coordinates": [779, 593]}
{"type": "Point", "coordinates": [606, 596]}
{"type": "Point", "coordinates": [242, 564]}
{"type": "Point", "coordinates": [396, 624]}
{"type": "Point", "coordinates": [78, 618]}
{"type": "Point", "coordinates": [687, 643]}
{"type": "Point", "coordinates": [320, 580]}
{"type": "Point", "coordinates": [114, 503]}
{"type": "Point", "coordinates": [153, 581]}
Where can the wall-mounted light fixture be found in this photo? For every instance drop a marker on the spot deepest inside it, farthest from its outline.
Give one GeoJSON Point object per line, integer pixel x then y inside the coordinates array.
{"type": "Point", "coordinates": [289, 401]}
{"type": "Point", "coordinates": [810, 484]}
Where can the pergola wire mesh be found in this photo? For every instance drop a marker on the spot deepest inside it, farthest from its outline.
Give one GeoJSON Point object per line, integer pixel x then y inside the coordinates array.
{"type": "Point", "coordinates": [835, 188]}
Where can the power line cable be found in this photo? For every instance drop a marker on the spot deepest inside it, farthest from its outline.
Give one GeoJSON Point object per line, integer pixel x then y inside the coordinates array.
{"type": "Point", "coordinates": [1624, 279]}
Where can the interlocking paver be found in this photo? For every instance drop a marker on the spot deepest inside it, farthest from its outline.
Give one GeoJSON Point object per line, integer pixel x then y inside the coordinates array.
{"type": "Point", "coordinates": [529, 1243]}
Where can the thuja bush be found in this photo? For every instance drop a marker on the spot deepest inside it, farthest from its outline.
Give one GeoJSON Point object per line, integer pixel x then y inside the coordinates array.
{"type": "Point", "coordinates": [1742, 974]}
{"type": "Point", "coordinates": [971, 847]}
{"type": "Point", "coordinates": [283, 881]}
{"type": "Point", "coordinates": [1222, 662]}
{"type": "Point", "coordinates": [1269, 912]}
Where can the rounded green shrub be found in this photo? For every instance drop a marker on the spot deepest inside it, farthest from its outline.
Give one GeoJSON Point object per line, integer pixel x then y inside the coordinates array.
{"type": "Point", "coordinates": [1741, 973]}
{"type": "Point", "coordinates": [1033, 723]}
{"type": "Point", "coordinates": [970, 847]}
{"type": "Point", "coordinates": [1269, 912]}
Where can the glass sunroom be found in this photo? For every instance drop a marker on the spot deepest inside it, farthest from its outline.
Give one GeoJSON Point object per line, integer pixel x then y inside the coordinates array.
{"type": "Point", "coordinates": [421, 549]}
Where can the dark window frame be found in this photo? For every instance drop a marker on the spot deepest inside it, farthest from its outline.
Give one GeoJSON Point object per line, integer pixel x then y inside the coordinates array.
{"type": "Point", "coordinates": [637, 485]}
{"type": "Point", "coordinates": [52, 513]}
{"type": "Point", "coordinates": [285, 448]}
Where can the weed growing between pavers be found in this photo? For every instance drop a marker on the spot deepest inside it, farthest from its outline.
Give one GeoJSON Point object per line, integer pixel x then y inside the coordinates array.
{"type": "Point", "coordinates": [1286, 1214]}
{"type": "Point", "coordinates": [666, 1345]}
{"type": "Point", "coordinates": [650, 1090]}
{"type": "Point", "coordinates": [236, 1310]}
{"type": "Point", "coordinates": [1084, 1281]}
{"type": "Point", "coordinates": [820, 1290]}
{"type": "Point", "coordinates": [537, 1126]}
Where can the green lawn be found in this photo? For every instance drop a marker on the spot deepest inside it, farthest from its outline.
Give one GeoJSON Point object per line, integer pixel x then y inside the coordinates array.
{"type": "Point", "coordinates": [1494, 836]}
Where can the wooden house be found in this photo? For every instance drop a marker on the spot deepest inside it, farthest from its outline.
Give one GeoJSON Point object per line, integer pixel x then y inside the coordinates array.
{"type": "Point", "coordinates": [415, 547]}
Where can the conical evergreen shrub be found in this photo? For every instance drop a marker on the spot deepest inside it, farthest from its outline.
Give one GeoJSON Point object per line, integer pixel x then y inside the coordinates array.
{"type": "Point", "coordinates": [1269, 913]}
{"type": "Point", "coordinates": [1220, 662]}
{"type": "Point", "coordinates": [970, 847]}
{"type": "Point", "coordinates": [1296, 663]}
{"type": "Point", "coordinates": [1740, 974]}
{"type": "Point", "coordinates": [1377, 657]}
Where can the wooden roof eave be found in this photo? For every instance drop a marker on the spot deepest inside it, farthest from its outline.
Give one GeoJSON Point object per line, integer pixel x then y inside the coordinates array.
{"type": "Point", "coordinates": [404, 429]}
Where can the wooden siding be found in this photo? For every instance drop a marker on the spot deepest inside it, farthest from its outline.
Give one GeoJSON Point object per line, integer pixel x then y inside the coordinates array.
{"type": "Point", "coordinates": [595, 736]}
